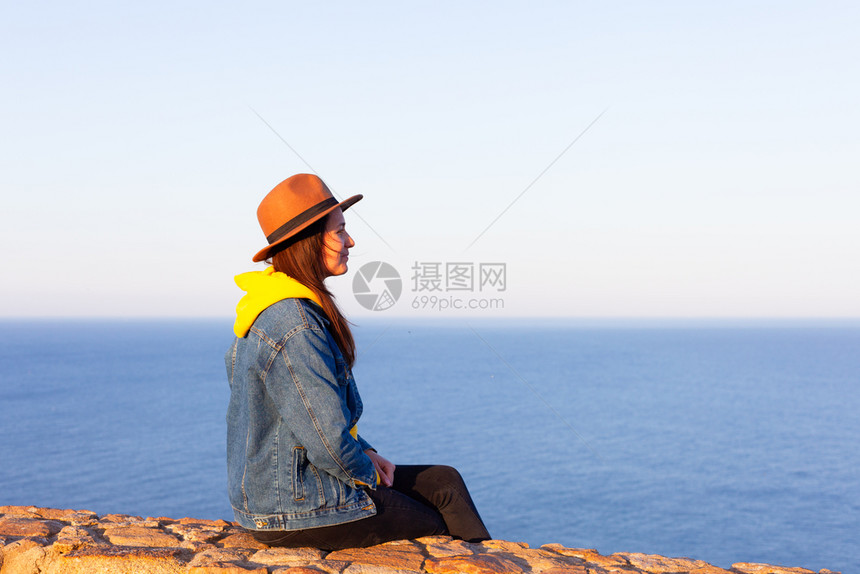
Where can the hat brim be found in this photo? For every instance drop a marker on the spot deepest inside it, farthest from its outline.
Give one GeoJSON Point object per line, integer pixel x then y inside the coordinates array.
{"type": "Point", "coordinates": [263, 254]}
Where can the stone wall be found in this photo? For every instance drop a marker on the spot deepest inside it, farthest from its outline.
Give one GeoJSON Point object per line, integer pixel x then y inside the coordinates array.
{"type": "Point", "coordinates": [49, 541]}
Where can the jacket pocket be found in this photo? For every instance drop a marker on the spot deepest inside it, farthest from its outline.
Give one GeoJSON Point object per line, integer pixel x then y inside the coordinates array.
{"type": "Point", "coordinates": [298, 466]}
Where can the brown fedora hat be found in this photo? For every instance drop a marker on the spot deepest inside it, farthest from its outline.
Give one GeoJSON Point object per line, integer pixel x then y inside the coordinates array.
{"type": "Point", "coordinates": [293, 205]}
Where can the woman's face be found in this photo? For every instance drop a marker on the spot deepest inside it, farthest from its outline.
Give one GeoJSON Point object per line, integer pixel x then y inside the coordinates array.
{"type": "Point", "coordinates": [336, 243]}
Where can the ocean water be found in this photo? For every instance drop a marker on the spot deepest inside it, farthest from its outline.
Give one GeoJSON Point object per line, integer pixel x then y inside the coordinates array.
{"type": "Point", "coordinates": [721, 441]}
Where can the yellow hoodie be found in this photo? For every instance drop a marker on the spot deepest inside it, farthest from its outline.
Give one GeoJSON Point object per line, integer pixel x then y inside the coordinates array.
{"type": "Point", "coordinates": [263, 289]}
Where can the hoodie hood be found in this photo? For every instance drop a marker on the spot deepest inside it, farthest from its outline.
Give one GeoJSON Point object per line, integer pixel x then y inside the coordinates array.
{"type": "Point", "coordinates": [262, 290]}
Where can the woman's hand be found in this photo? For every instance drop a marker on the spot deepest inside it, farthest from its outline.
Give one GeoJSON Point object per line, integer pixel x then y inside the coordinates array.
{"type": "Point", "coordinates": [384, 467]}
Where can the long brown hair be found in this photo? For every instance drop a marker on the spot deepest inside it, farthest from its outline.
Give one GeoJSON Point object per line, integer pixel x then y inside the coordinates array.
{"type": "Point", "coordinates": [303, 260]}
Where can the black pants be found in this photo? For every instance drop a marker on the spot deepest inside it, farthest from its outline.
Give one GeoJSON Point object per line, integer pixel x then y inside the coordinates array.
{"type": "Point", "coordinates": [423, 501]}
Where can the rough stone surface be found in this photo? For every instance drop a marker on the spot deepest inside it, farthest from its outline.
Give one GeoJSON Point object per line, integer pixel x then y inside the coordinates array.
{"type": "Point", "coordinates": [475, 564]}
{"type": "Point", "coordinates": [28, 527]}
{"type": "Point", "coordinates": [753, 568]}
{"type": "Point", "coordinates": [663, 565]}
{"type": "Point", "coordinates": [53, 541]}
{"type": "Point", "coordinates": [140, 536]}
{"type": "Point", "coordinates": [402, 555]}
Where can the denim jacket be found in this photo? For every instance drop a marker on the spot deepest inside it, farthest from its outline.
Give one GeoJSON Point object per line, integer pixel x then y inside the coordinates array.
{"type": "Point", "coordinates": [291, 460]}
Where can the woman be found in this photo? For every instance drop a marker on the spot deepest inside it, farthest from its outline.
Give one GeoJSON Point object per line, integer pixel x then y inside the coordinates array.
{"type": "Point", "coordinates": [299, 473]}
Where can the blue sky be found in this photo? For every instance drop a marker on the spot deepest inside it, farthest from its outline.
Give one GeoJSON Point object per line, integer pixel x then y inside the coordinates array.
{"type": "Point", "coordinates": [721, 179]}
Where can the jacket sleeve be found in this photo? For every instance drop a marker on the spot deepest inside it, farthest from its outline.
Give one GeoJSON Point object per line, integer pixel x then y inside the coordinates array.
{"type": "Point", "coordinates": [365, 445]}
{"type": "Point", "coordinates": [303, 383]}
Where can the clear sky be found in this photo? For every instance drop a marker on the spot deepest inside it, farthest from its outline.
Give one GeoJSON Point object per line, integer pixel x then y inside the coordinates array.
{"type": "Point", "coordinates": [720, 178]}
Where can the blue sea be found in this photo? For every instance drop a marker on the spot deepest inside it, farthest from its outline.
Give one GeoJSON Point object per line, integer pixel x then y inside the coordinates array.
{"type": "Point", "coordinates": [725, 441]}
